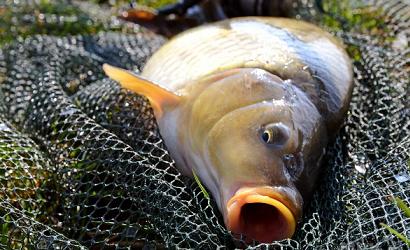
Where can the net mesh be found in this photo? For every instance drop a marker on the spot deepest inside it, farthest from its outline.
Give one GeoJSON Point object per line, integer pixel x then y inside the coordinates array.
{"type": "Point", "coordinates": [82, 164]}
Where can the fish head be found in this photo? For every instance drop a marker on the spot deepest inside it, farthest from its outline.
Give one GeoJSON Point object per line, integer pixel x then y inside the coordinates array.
{"type": "Point", "coordinates": [251, 137]}
{"type": "Point", "coordinates": [250, 148]}
{"type": "Point", "coordinates": [254, 141]}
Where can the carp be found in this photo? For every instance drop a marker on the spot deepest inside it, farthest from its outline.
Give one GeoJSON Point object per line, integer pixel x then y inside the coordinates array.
{"type": "Point", "coordinates": [249, 105]}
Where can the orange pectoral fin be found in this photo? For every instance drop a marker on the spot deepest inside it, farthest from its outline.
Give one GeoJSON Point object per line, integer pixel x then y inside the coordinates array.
{"type": "Point", "coordinates": [158, 96]}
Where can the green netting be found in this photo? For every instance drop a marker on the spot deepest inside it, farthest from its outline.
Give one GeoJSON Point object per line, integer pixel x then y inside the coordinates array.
{"type": "Point", "coordinates": [82, 164]}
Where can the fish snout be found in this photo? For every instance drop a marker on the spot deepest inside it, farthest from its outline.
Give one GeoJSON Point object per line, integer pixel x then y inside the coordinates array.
{"type": "Point", "coordinates": [264, 213]}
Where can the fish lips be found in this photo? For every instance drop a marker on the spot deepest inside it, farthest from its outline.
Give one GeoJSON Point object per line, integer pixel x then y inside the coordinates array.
{"type": "Point", "coordinates": [264, 213]}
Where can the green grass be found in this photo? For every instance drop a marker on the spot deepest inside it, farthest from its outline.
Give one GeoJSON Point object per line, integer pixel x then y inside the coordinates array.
{"type": "Point", "coordinates": [403, 207]}
{"type": "Point", "coordinates": [47, 17]}
{"type": "Point", "coordinates": [406, 210]}
{"type": "Point", "coordinates": [203, 190]}
{"type": "Point", "coordinates": [155, 3]}
{"type": "Point", "coordinates": [4, 231]}
{"type": "Point", "coordinates": [397, 234]}
{"type": "Point", "coordinates": [353, 16]}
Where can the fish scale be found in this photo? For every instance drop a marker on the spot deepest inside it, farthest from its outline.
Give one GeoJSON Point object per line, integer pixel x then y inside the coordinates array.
{"type": "Point", "coordinates": [270, 45]}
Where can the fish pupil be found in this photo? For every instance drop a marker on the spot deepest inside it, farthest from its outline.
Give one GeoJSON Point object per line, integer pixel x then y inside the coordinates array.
{"type": "Point", "coordinates": [266, 136]}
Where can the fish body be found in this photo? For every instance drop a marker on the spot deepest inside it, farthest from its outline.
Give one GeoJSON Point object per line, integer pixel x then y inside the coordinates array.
{"type": "Point", "coordinates": [249, 105]}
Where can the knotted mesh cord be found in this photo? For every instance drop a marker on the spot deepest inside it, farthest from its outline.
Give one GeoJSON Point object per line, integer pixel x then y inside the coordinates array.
{"type": "Point", "coordinates": [83, 164]}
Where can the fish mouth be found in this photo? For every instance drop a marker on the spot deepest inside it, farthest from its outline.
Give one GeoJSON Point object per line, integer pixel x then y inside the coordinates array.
{"type": "Point", "coordinates": [262, 214]}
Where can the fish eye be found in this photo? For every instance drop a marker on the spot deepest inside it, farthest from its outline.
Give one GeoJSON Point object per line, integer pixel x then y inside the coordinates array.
{"type": "Point", "coordinates": [267, 136]}
{"type": "Point", "coordinates": [275, 134]}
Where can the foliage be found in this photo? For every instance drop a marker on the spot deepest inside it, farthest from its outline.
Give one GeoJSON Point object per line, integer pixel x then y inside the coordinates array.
{"type": "Point", "coordinates": [44, 17]}
{"type": "Point", "coordinates": [353, 16]}
{"type": "Point", "coordinates": [406, 211]}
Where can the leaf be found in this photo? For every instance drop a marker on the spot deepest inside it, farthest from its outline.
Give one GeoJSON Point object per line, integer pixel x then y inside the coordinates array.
{"type": "Point", "coordinates": [397, 234]}
{"type": "Point", "coordinates": [200, 185]}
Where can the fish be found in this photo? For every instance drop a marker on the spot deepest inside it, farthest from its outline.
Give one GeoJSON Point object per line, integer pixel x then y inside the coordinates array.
{"type": "Point", "coordinates": [249, 105]}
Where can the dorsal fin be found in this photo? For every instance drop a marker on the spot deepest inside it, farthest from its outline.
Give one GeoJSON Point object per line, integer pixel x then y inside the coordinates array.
{"type": "Point", "coordinates": [158, 96]}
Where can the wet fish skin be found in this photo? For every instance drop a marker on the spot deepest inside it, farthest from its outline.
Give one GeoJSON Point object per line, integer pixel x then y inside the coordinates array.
{"type": "Point", "coordinates": [233, 86]}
